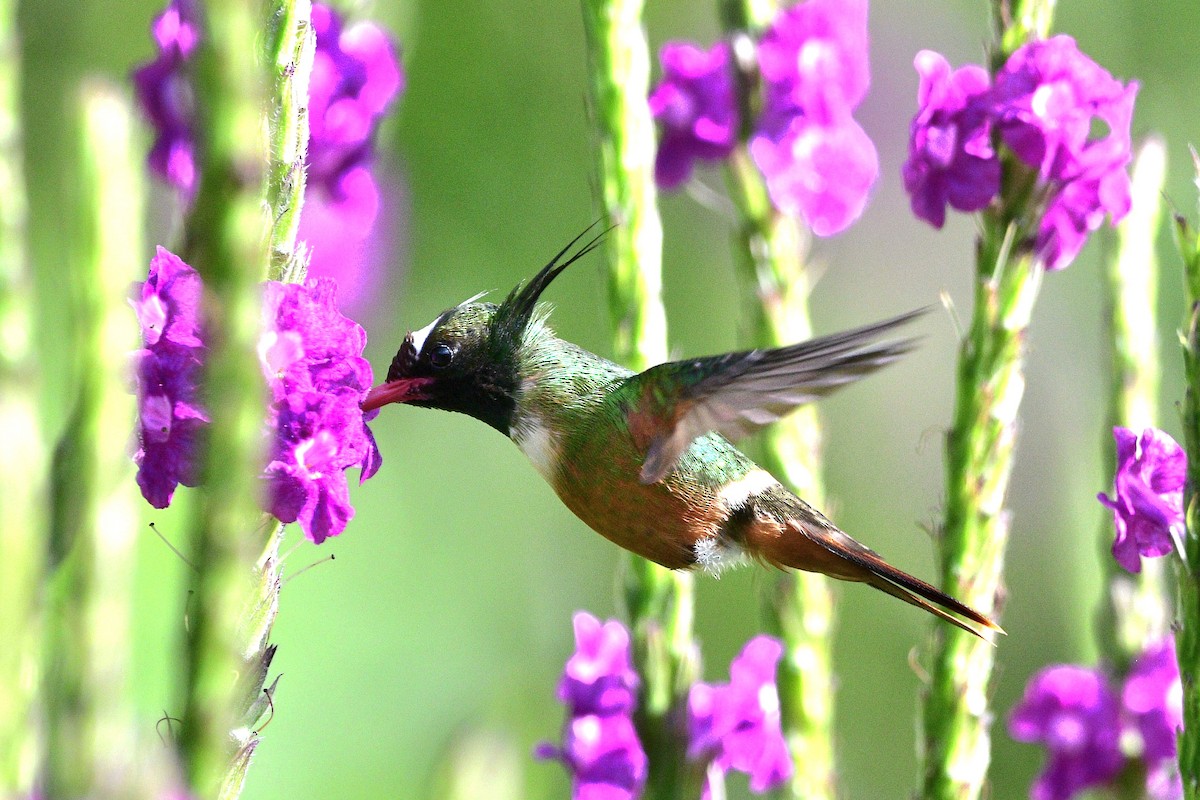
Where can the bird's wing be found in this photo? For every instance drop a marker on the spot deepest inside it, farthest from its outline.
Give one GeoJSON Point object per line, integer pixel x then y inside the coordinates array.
{"type": "Point", "coordinates": [738, 393]}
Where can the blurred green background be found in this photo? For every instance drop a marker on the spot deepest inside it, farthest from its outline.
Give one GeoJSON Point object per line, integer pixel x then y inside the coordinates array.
{"type": "Point", "coordinates": [448, 608]}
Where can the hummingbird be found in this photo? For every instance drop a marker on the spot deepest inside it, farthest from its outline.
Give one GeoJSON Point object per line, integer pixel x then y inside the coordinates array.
{"type": "Point", "coordinates": [647, 460]}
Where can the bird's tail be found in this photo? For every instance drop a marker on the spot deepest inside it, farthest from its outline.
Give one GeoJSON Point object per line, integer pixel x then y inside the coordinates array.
{"type": "Point", "coordinates": [815, 545]}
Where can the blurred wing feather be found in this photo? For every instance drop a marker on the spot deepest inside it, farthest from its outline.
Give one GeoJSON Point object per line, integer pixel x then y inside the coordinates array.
{"type": "Point", "coordinates": [738, 393]}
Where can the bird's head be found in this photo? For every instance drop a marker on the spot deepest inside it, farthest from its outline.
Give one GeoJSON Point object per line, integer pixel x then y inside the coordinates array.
{"type": "Point", "coordinates": [467, 360]}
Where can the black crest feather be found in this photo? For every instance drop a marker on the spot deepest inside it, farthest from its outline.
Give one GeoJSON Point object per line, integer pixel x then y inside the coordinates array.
{"type": "Point", "coordinates": [514, 314]}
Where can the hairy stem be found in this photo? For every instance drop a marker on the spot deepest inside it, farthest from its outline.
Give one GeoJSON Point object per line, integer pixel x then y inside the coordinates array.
{"type": "Point", "coordinates": [1187, 636]}
{"type": "Point", "coordinates": [956, 741]}
{"type": "Point", "coordinates": [290, 50]}
{"type": "Point", "coordinates": [227, 243]}
{"type": "Point", "coordinates": [770, 249]}
{"type": "Point", "coordinates": [660, 602]}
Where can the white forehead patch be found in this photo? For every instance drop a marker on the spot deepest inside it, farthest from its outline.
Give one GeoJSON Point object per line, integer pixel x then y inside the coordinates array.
{"type": "Point", "coordinates": [420, 336]}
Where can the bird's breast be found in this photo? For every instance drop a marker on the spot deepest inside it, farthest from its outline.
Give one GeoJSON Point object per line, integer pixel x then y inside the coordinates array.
{"type": "Point", "coordinates": [675, 522]}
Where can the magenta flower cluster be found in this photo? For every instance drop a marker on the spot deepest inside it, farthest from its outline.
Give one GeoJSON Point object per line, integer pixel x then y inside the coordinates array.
{"type": "Point", "coordinates": [1045, 105]}
{"type": "Point", "coordinates": [165, 95]}
{"type": "Point", "coordinates": [316, 377]}
{"type": "Point", "coordinates": [1147, 503]}
{"type": "Point", "coordinates": [168, 368]}
{"type": "Point", "coordinates": [311, 356]}
{"type": "Point", "coordinates": [736, 726]}
{"type": "Point", "coordinates": [818, 162]}
{"type": "Point", "coordinates": [355, 78]}
{"type": "Point", "coordinates": [733, 726]}
{"type": "Point", "coordinates": [1093, 732]}
{"type": "Point", "coordinates": [600, 746]}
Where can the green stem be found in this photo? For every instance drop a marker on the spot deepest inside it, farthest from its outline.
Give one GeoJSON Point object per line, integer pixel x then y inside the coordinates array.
{"type": "Point", "coordinates": [770, 249]}
{"type": "Point", "coordinates": [227, 242]}
{"type": "Point", "coordinates": [1134, 611]}
{"type": "Point", "coordinates": [956, 743]}
{"type": "Point", "coordinates": [660, 602]}
{"type": "Point", "coordinates": [23, 457]}
{"type": "Point", "coordinates": [234, 247]}
{"type": "Point", "coordinates": [290, 48]}
{"type": "Point", "coordinates": [979, 452]}
{"type": "Point", "coordinates": [1187, 637]}
{"type": "Point", "coordinates": [85, 687]}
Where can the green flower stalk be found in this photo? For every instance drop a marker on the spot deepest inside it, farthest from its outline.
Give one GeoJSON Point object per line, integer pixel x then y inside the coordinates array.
{"type": "Point", "coordinates": [660, 601]}
{"type": "Point", "coordinates": [290, 48]}
{"type": "Point", "coordinates": [979, 450]}
{"type": "Point", "coordinates": [770, 249]}
{"type": "Point", "coordinates": [990, 382]}
{"type": "Point", "coordinates": [1187, 636]}
{"type": "Point", "coordinates": [1133, 612]}
{"type": "Point", "coordinates": [89, 749]}
{"type": "Point", "coordinates": [23, 457]}
{"type": "Point", "coordinates": [234, 245]}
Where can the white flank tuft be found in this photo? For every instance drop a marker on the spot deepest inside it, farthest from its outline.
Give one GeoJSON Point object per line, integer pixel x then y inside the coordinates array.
{"type": "Point", "coordinates": [714, 555]}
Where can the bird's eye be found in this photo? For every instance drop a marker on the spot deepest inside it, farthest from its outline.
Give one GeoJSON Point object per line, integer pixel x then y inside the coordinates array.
{"type": "Point", "coordinates": [441, 356]}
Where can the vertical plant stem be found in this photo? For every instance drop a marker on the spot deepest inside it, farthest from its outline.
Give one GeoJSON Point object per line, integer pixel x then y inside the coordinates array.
{"type": "Point", "coordinates": [660, 601]}
{"type": "Point", "coordinates": [770, 250]}
{"type": "Point", "coordinates": [979, 450]}
{"type": "Point", "coordinates": [955, 749]}
{"type": "Point", "coordinates": [22, 457]}
{"type": "Point", "coordinates": [85, 688]}
{"type": "Point", "coordinates": [290, 48]}
{"type": "Point", "coordinates": [227, 243]}
{"type": "Point", "coordinates": [234, 246]}
{"type": "Point", "coordinates": [1133, 612]}
{"type": "Point", "coordinates": [1187, 636]}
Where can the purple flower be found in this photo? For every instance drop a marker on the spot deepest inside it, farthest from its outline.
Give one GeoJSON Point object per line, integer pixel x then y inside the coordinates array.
{"type": "Point", "coordinates": [950, 155]}
{"type": "Point", "coordinates": [1046, 102]}
{"type": "Point", "coordinates": [168, 369]}
{"type": "Point", "coordinates": [1148, 498]}
{"type": "Point", "coordinates": [312, 359]}
{"type": "Point", "coordinates": [736, 725]}
{"type": "Point", "coordinates": [1049, 98]}
{"type": "Point", "coordinates": [818, 162]}
{"type": "Point", "coordinates": [599, 687]}
{"type": "Point", "coordinates": [355, 77]}
{"type": "Point", "coordinates": [598, 677]}
{"type": "Point", "coordinates": [1152, 699]}
{"type": "Point", "coordinates": [1074, 713]}
{"type": "Point", "coordinates": [168, 302]}
{"type": "Point", "coordinates": [355, 239]}
{"type": "Point", "coordinates": [165, 95]}
{"type": "Point", "coordinates": [695, 106]}
{"type": "Point", "coordinates": [604, 756]}
{"type": "Point", "coordinates": [171, 420]}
